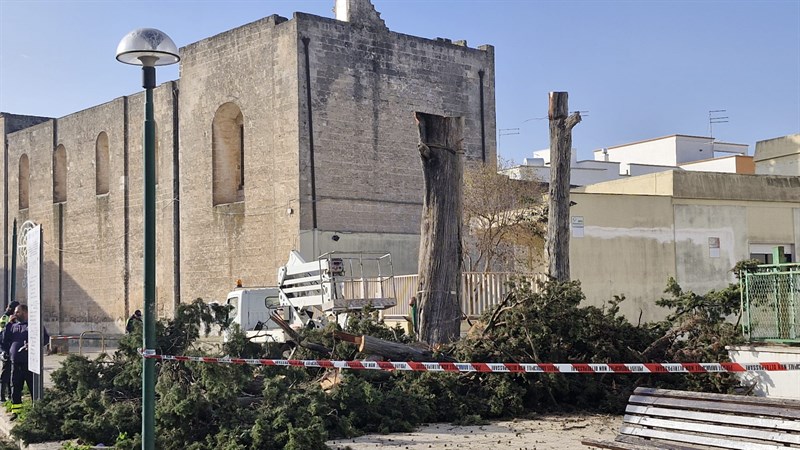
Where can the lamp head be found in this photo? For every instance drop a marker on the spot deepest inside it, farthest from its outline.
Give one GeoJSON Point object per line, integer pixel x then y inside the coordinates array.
{"type": "Point", "coordinates": [147, 47]}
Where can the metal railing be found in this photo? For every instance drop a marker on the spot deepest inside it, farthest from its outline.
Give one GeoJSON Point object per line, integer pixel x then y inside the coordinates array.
{"type": "Point", "coordinates": [771, 303]}
{"type": "Point", "coordinates": [479, 291]}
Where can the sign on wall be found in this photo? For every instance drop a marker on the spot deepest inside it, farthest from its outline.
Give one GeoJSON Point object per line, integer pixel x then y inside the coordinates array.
{"type": "Point", "coordinates": [35, 299]}
{"type": "Point", "coordinates": [577, 226]}
{"type": "Point", "coordinates": [713, 247]}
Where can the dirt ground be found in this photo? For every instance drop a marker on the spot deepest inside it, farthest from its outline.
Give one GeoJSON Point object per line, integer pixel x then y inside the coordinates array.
{"type": "Point", "coordinates": [545, 433]}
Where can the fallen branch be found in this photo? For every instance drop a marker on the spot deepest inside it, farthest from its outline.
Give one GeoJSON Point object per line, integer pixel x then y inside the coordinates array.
{"type": "Point", "coordinates": [392, 351]}
{"type": "Point", "coordinates": [297, 339]}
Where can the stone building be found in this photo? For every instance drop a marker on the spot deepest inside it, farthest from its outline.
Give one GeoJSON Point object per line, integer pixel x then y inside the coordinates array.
{"type": "Point", "coordinates": [279, 135]}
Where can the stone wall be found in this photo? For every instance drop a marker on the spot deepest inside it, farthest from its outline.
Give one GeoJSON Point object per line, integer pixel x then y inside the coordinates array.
{"type": "Point", "coordinates": [93, 243]}
{"type": "Point", "coordinates": [254, 67]}
{"type": "Point", "coordinates": [9, 123]}
{"type": "Point", "coordinates": [366, 83]}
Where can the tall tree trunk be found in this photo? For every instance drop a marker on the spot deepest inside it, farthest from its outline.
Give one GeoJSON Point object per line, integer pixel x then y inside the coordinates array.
{"type": "Point", "coordinates": [561, 125]}
{"type": "Point", "coordinates": [439, 293]}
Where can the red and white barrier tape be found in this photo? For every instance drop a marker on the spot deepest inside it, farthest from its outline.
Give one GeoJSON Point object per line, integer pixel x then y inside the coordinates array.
{"type": "Point", "coordinates": [496, 367]}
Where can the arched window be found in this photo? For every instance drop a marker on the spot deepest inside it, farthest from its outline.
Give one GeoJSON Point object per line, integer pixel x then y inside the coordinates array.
{"type": "Point", "coordinates": [24, 181]}
{"type": "Point", "coordinates": [227, 141]}
{"type": "Point", "coordinates": [101, 164]}
{"type": "Point", "coordinates": [60, 175]}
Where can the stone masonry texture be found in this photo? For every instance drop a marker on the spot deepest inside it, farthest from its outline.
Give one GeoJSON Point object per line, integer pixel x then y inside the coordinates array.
{"type": "Point", "coordinates": [365, 83]}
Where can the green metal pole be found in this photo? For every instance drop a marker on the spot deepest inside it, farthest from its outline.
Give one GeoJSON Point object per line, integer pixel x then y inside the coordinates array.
{"type": "Point", "coordinates": [149, 334]}
{"type": "Point", "coordinates": [13, 292]}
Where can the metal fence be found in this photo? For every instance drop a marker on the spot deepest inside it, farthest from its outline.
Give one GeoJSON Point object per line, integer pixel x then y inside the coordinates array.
{"type": "Point", "coordinates": [479, 291]}
{"type": "Point", "coordinates": [771, 303]}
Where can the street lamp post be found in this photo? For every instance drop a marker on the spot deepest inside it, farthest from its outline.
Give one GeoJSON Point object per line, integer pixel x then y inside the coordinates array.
{"type": "Point", "coordinates": [148, 47]}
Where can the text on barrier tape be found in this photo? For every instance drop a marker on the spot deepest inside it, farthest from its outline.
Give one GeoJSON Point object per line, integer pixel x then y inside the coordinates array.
{"type": "Point", "coordinates": [496, 367]}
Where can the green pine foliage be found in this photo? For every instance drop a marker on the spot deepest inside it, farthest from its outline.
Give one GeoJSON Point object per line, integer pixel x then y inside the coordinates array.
{"type": "Point", "coordinates": [236, 407]}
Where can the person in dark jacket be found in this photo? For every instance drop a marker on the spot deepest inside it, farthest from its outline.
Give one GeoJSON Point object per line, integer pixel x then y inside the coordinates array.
{"type": "Point", "coordinates": [133, 321]}
{"type": "Point", "coordinates": [15, 343]}
{"type": "Point", "coordinates": [5, 372]}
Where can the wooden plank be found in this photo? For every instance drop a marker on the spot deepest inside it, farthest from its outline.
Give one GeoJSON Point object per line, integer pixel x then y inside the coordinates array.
{"type": "Point", "coordinates": [648, 443]}
{"type": "Point", "coordinates": [743, 399]}
{"type": "Point", "coordinates": [614, 445]}
{"type": "Point", "coordinates": [709, 405]}
{"type": "Point", "coordinates": [755, 422]}
{"type": "Point", "coordinates": [711, 429]}
{"type": "Point", "coordinates": [697, 439]}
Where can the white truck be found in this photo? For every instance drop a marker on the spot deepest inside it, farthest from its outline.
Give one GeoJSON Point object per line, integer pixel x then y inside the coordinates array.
{"type": "Point", "coordinates": [312, 294]}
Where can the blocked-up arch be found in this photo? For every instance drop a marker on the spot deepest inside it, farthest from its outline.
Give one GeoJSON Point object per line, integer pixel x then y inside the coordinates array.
{"type": "Point", "coordinates": [60, 175]}
{"type": "Point", "coordinates": [227, 140]}
{"type": "Point", "coordinates": [101, 164]}
{"type": "Point", "coordinates": [24, 176]}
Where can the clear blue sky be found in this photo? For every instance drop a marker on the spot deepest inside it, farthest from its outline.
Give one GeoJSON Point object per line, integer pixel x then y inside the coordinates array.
{"type": "Point", "coordinates": [642, 69]}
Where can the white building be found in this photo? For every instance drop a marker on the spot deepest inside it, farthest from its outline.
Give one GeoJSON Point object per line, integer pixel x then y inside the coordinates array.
{"type": "Point", "coordinates": [693, 153]}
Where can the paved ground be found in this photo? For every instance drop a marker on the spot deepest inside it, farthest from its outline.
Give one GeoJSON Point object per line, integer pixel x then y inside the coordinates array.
{"type": "Point", "coordinates": [558, 432]}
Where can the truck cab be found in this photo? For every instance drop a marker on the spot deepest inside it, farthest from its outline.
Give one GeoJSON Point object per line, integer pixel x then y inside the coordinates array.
{"type": "Point", "coordinates": [252, 308]}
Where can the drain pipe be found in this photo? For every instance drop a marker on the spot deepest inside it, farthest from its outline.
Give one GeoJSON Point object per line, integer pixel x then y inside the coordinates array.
{"type": "Point", "coordinates": [311, 145]}
{"type": "Point", "coordinates": [481, 73]}
{"type": "Point", "coordinates": [176, 203]}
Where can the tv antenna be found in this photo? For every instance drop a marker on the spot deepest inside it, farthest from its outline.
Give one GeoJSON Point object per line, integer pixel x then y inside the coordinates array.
{"type": "Point", "coordinates": [505, 132]}
{"type": "Point", "coordinates": [716, 116]}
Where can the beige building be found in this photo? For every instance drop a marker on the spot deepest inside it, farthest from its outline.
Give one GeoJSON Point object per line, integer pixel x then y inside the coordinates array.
{"type": "Point", "coordinates": [779, 156]}
{"type": "Point", "coordinates": [279, 135]}
{"type": "Point", "coordinates": [628, 236]}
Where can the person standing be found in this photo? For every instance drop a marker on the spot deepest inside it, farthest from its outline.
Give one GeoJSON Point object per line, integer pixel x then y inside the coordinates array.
{"type": "Point", "coordinates": [133, 321]}
{"type": "Point", "coordinates": [15, 342]}
{"type": "Point", "coordinates": [5, 372]}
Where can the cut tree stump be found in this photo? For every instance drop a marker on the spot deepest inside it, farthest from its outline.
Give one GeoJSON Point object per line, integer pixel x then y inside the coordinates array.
{"type": "Point", "coordinates": [439, 292]}
{"type": "Point", "coordinates": [561, 124]}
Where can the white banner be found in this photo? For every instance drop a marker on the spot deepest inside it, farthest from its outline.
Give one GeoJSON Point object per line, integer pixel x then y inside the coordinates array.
{"type": "Point", "coordinates": [34, 299]}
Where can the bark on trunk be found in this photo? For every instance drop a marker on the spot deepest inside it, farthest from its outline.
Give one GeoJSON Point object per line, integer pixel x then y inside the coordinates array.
{"type": "Point", "coordinates": [393, 351]}
{"type": "Point", "coordinates": [439, 292]}
{"type": "Point", "coordinates": [561, 124]}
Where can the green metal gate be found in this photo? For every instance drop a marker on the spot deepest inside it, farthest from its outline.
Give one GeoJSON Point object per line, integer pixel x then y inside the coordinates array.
{"type": "Point", "coordinates": [771, 303]}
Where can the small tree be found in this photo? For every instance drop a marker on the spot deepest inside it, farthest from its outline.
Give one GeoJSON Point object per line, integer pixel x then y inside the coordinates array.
{"type": "Point", "coordinates": [504, 218]}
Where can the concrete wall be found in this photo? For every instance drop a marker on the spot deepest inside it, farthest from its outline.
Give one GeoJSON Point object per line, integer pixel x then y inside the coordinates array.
{"type": "Point", "coordinates": [769, 384]}
{"type": "Point", "coordinates": [701, 265]}
{"type": "Point", "coordinates": [779, 156]}
{"type": "Point", "coordinates": [404, 248]}
{"type": "Point", "coordinates": [626, 249]}
{"type": "Point", "coordinates": [694, 226]}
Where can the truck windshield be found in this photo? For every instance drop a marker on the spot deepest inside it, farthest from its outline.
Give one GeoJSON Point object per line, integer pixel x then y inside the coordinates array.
{"type": "Point", "coordinates": [234, 301]}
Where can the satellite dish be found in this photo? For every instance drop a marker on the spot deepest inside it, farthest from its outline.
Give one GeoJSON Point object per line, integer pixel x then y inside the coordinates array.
{"type": "Point", "coordinates": [22, 241]}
